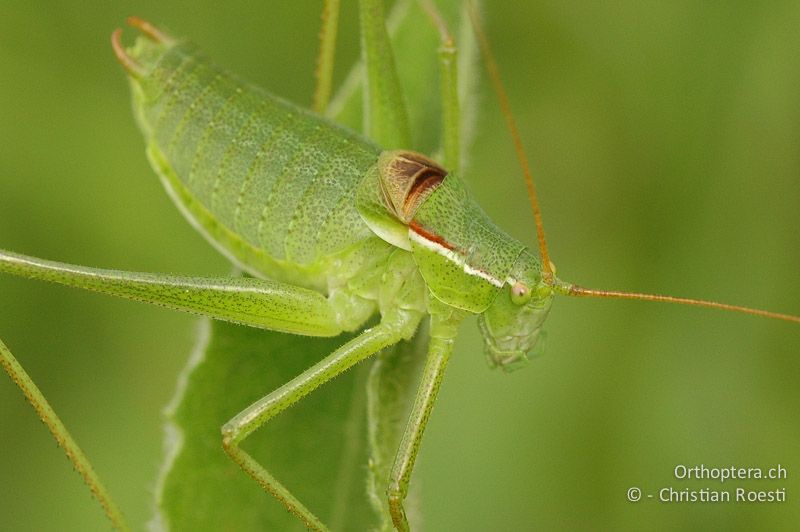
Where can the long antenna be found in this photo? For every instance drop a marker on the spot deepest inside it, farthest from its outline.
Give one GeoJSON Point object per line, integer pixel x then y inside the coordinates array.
{"type": "Point", "coordinates": [494, 75]}
{"type": "Point", "coordinates": [547, 266]}
{"type": "Point", "coordinates": [579, 291]}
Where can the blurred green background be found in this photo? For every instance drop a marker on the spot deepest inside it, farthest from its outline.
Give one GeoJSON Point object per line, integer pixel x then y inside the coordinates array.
{"type": "Point", "coordinates": [665, 138]}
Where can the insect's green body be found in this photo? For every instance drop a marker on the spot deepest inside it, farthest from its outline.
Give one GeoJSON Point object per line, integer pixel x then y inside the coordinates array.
{"type": "Point", "coordinates": [292, 197]}
{"type": "Point", "coordinates": [334, 228]}
{"type": "Point", "coordinates": [271, 183]}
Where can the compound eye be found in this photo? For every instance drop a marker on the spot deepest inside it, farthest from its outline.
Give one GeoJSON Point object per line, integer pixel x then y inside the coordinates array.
{"type": "Point", "coordinates": [520, 294]}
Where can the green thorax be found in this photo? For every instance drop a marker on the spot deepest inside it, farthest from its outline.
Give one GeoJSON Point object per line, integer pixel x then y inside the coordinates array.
{"type": "Point", "coordinates": [414, 204]}
{"type": "Point", "coordinates": [450, 224]}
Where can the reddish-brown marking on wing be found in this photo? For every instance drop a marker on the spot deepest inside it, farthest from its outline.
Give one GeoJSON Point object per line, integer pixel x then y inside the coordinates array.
{"type": "Point", "coordinates": [407, 179]}
{"type": "Point", "coordinates": [468, 268]}
{"type": "Point", "coordinates": [427, 235]}
{"type": "Point", "coordinates": [424, 184]}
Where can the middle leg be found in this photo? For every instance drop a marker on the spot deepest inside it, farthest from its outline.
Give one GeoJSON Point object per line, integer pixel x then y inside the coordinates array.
{"type": "Point", "coordinates": [396, 325]}
{"type": "Point", "coordinates": [444, 327]}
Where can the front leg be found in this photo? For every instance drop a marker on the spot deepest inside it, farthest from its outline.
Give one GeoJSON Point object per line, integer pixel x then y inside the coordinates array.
{"type": "Point", "coordinates": [444, 325]}
{"type": "Point", "coordinates": [395, 326]}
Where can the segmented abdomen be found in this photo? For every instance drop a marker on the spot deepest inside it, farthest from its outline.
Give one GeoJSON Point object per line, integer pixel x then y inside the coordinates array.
{"type": "Point", "coordinates": [279, 176]}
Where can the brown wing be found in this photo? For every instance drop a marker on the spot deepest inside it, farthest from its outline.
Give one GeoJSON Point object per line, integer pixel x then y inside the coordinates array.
{"type": "Point", "coordinates": [407, 178]}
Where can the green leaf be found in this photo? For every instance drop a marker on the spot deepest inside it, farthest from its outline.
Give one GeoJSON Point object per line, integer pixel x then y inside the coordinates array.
{"type": "Point", "coordinates": [317, 448]}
